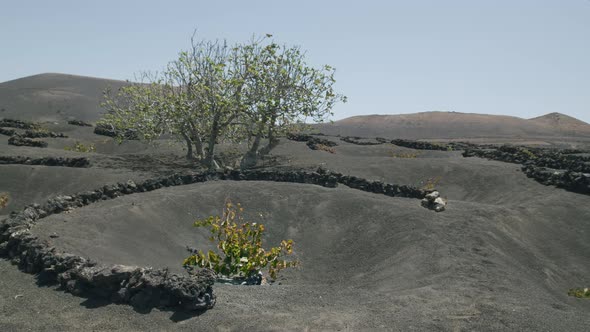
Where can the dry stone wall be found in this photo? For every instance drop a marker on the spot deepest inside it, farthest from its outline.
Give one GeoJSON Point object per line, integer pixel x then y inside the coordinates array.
{"type": "Point", "coordinates": [46, 161]}
{"type": "Point", "coordinates": [79, 123]}
{"type": "Point", "coordinates": [139, 286]}
{"type": "Point", "coordinates": [313, 143]}
{"type": "Point", "coordinates": [18, 124]}
{"type": "Point", "coordinates": [19, 140]}
{"type": "Point", "coordinates": [355, 140]}
{"type": "Point", "coordinates": [565, 169]}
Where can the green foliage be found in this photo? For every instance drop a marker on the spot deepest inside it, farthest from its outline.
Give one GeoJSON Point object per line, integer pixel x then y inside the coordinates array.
{"type": "Point", "coordinates": [431, 183]}
{"type": "Point", "coordinates": [528, 153]}
{"type": "Point", "coordinates": [79, 147]}
{"type": "Point", "coordinates": [241, 249]}
{"type": "Point", "coordinates": [3, 200]}
{"type": "Point", "coordinates": [215, 92]}
{"type": "Point", "coordinates": [579, 292]}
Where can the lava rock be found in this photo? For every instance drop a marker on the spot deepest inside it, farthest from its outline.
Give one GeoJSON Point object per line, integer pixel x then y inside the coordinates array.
{"type": "Point", "coordinates": [433, 201]}
{"type": "Point", "coordinates": [547, 166]}
{"type": "Point", "coordinates": [355, 140]}
{"type": "Point", "coordinates": [7, 132]}
{"type": "Point", "coordinates": [298, 137]}
{"type": "Point", "coordinates": [46, 161]}
{"type": "Point", "coordinates": [79, 123]}
{"type": "Point", "coordinates": [42, 133]}
{"type": "Point", "coordinates": [312, 142]}
{"type": "Point", "coordinates": [144, 287]}
{"type": "Point", "coordinates": [19, 140]}
{"type": "Point", "coordinates": [18, 124]}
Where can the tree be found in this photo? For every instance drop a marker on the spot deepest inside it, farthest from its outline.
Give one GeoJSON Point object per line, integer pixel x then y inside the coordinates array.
{"type": "Point", "coordinates": [285, 91]}
{"type": "Point", "coordinates": [195, 99]}
{"type": "Point", "coordinates": [215, 92]}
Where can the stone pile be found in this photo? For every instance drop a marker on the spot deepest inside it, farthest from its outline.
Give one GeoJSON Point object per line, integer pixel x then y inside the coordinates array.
{"type": "Point", "coordinates": [79, 123]}
{"type": "Point", "coordinates": [19, 140]}
{"type": "Point", "coordinates": [7, 132]}
{"type": "Point", "coordinates": [550, 158]}
{"type": "Point", "coordinates": [355, 140]}
{"type": "Point", "coordinates": [422, 145]}
{"type": "Point", "coordinates": [298, 137]}
{"type": "Point", "coordinates": [18, 124]}
{"type": "Point", "coordinates": [565, 169]}
{"type": "Point", "coordinates": [419, 145]}
{"type": "Point", "coordinates": [433, 201]}
{"type": "Point", "coordinates": [42, 133]}
{"type": "Point", "coordinates": [312, 142]}
{"type": "Point", "coordinates": [573, 181]}
{"type": "Point", "coordinates": [315, 142]}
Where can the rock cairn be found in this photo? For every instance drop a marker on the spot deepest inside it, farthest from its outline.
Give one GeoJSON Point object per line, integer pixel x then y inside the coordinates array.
{"type": "Point", "coordinates": [433, 201]}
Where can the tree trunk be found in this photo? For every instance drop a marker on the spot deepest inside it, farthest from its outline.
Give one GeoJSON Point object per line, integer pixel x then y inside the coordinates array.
{"type": "Point", "coordinates": [251, 157]}
{"type": "Point", "coordinates": [272, 141]}
{"type": "Point", "coordinates": [189, 147]}
{"type": "Point", "coordinates": [210, 162]}
{"type": "Point", "coordinates": [199, 147]}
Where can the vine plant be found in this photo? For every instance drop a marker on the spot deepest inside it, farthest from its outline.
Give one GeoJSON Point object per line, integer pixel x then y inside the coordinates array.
{"type": "Point", "coordinates": [3, 200]}
{"type": "Point", "coordinates": [240, 245]}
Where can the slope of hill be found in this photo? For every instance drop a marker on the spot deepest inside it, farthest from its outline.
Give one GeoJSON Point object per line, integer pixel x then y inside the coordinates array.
{"type": "Point", "coordinates": [60, 97]}
{"type": "Point", "coordinates": [562, 123]}
{"type": "Point", "coordinates": [430, 125]}
{"type": "Point", "coordinates": [54, 97]}
{"type": "Point", "coordinates": [501, 257]}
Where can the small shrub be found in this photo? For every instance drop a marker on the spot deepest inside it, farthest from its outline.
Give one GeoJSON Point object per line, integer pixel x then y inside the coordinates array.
{"type": "Point", "coordinates": [3, 200]}
{"type": "Point", "coordinates": [241, 249]}
{"type": "Point", "coordinates": [579, 292]}
{"type": "Point", "coordinates": [323, 147]}
{"type": "Point", "coordinates": [79, 147]}
{"type": "Point", "coordinates": [431, 183]}
{"type": "Point", "coordinates": [528, 153]}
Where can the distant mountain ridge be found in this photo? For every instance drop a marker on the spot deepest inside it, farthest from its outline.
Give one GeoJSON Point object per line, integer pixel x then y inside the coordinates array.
{"type": "Point", "coordinates": [562, 122]}
{"type": "Point", "coordinates": [54, 97]}
{"type": "Point", "coordinates": [449, 125]}
{"type": "Point", "coordinates": [59, 97]}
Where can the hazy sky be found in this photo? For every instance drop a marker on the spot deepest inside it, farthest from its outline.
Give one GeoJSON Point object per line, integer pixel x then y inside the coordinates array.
{"type": "Point", "coordinates": [516, 57]}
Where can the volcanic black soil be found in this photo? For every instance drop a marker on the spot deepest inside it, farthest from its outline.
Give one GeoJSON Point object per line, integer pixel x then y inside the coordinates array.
{"type": "Point", "coordinates": [501, 257]}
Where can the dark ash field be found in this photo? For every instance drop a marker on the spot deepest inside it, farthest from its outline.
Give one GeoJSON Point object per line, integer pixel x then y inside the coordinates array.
{"type": "Point", "coordinates": [502, 256]}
